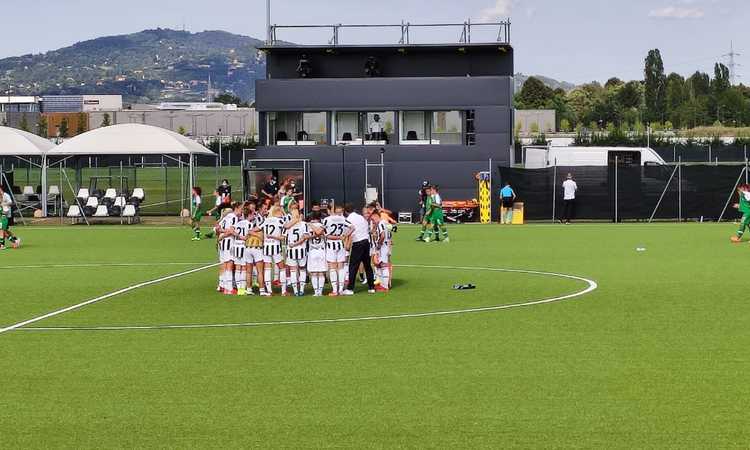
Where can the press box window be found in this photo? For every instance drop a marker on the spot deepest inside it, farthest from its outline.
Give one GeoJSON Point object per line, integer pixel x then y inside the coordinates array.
{"type": "Point", "coordinates": [297, 128]}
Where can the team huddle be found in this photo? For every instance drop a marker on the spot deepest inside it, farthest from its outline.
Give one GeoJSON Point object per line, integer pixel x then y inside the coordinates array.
{"type": "Point", "coordinates": [277, 247]}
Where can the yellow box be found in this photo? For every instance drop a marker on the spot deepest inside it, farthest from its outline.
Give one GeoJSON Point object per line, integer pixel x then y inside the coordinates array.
{"type": "Point", "coordinates": [518, 213]}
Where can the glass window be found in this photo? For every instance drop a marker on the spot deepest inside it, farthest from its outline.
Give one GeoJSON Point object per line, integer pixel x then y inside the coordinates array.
{"type": "Point", "coordinates": [446, 127]}
{"type": "Point", "coordinates": [379, 128]}
{"type": "Point", "coordinates": [414, 127]}
{"type": "Point", "coordinates": [348, 129]}
{"type": "Point", "coordinates": [296, 128]}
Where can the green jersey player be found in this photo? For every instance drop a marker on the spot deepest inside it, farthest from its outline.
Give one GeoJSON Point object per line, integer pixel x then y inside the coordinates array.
{"type": "Point", "coordinates": [424, 236]}
{"type": "Point", "coordinates": [744, 207]}
{"type": "Point", "coordinates": [437, 218]}
{"type": "Point", "coordinates": [6, 210]}
{"type": "Point", "coordinates": [196, 212]}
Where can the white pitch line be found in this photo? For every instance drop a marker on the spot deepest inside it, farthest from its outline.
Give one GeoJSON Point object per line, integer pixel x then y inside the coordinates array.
{"type": "Point", "coordinates": [90, 265]}
{"type": "Point", "coordinates": [103, 297]}
{"type": "Point", "coordinates": [591, 286]}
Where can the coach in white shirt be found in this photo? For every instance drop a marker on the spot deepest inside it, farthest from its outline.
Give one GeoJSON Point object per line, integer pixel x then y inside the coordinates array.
{"type": "Point", "coordinates": [360, 252]}
{"type": "Point", "coordinates": [570, 187]}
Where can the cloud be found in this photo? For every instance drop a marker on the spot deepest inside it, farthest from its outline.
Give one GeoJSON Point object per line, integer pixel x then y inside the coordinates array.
{"type": "Point", "coordinates": [677, 12]}
{"type": "Point", "coordinates": [501, 10]}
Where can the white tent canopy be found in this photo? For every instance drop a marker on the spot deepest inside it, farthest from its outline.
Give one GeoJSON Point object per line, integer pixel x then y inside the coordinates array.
{"type": "Point", "coordinates": [15, 142]}
{"type": "Point", "coordinates": [130, 139]}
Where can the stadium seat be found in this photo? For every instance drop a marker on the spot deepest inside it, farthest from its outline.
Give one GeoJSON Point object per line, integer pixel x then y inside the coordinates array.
{"type": "Point", "coordinates": [347, 137]}
{"type": "Point", "coordinates": [120, 201]}
{"type": "Point", "coordinates": [83, 196]}
{"type": "Point", "coordinates": [129, 211]}
{"type": "Point", "coordinates": [411, 135]}
{"type": "Point", "coordinates": [138, 196]}
{"type": "Point", "coordinates": [74, 211]}
{"type": "Point", "coordinates": [91, 206]}
{"type": "Point", "coordinates": [98, 193]}
{"type": "Point", "coordinates": [54, 190]}
{"type": "Point", "coordinates": [101, 211]}
{"type": "Point", "coordinates": [28, 190]}
{"type": "Point", "coordinates": [109, 197]}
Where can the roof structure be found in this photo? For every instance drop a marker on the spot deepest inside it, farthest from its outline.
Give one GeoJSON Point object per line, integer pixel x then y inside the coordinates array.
{"type": "Point", "coordinates": [14, 142]}
{"type": "Point", "coordinates": [130, 139]}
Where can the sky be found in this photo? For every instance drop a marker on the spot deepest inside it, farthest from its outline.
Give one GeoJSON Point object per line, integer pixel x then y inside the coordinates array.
{"type": "Point", "coordinates": [571, 40]}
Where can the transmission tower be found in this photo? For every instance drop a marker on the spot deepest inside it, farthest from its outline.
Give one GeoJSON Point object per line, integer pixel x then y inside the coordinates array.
{"type": "Point", "coordinates": [732, 63]}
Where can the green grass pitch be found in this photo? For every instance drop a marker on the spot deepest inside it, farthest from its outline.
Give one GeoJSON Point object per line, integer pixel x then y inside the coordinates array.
{"type": "Point", "coordinates": [656, 357]}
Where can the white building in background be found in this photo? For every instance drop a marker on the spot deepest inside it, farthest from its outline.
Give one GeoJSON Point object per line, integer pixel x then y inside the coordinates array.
{"type": "Point", "coordinates": [535, 120]}
{"type": "Point", "coordinates": [190, 106]}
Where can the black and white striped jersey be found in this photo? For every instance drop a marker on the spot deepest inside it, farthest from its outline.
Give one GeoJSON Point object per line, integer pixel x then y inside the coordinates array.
{"type": "Point", "coordinates": [273, 227]}
{"type": "Point", "coordinates": [336, 226]}
{"type": "Point", "coordinates": [226, 223]}
{"type": "Point", "coordinates": [383, 234]}
{"type": "Point", "coordinates": [242, 228]}
{"type": "Point", "coordinates": [295, 234]}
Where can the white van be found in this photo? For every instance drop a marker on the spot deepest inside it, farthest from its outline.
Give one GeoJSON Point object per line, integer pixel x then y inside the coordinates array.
{"type": "Point", "coordinates": [543, 157]}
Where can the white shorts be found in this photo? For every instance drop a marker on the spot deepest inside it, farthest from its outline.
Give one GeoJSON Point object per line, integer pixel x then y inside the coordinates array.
{"type": "Point", "coordinates": [253, 255]}
{"type": "Point", "coordinates": [336, 256]}
{"type": "Point", "coordinates": [297, 262]}
{"type": "Point", "coordinates": [225, 256]}
{"type": "Point", "coordinates": [238, 255]}
{"type": "Point", "coordinates": [274, 259]}
{"type": "Point", "coordinates": [385, 254]}
{"type": "Point", "coordinates": [316, 261]}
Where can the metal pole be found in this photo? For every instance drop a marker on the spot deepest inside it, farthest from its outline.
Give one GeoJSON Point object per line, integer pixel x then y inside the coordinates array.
{"type": "Point", "coordinates": [554, 191]}
{"type": "Point", "coordinates": [679, 189]}
{"type": "Point", "coordinates": [674, 153]}
{"type": "Point", "coordinates": [44, 185]}
{"type": "Point", "coordinates": [491, 191]}
{"type": "Point", "coordinates": [367, 169]}
{"type": "Point", "coordinates": [382, 177]}
{"type": "Point", "coordinates": [269, 39]}
{"type": "Point", "coordinates": [664, 192]}
{"type": "Point", "coordinates": [709, 153]}
{"type": "Point", "coordinates": [616, 215]}
{"type": "Point", "coordinates": [731, 194]}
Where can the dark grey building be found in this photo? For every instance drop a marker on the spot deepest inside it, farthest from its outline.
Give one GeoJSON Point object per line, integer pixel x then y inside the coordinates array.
{"type": "Point", "coordinates": [440, 113]}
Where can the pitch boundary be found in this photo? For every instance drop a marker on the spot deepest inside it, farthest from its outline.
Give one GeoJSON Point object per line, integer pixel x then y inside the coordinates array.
{"type": "Point", "coordinates": [591, 286]}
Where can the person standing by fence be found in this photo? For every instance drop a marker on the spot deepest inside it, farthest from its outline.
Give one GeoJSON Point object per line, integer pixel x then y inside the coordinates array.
{"type": "Point", "coordinates": [570, 188]}
{"type": "Point", "coordinates": [507, 198]}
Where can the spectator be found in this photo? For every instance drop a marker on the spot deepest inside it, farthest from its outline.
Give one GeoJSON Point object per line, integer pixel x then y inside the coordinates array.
{"type": "Point", "coordinates": [570, 187]}
{"type": "Point", "coordinates": [360, 251]}
{"type": "Point", "coordinates": [423, 194]}
{"type": "Point", "coordinates": [507, 198]}
{"type": "Point", "coordinates": [270, 189]}
{"type": "Point", "coordinates": [225, 191]}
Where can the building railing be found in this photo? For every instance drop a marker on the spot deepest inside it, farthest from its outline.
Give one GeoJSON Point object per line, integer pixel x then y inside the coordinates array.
{"type": "Point", "coordinates": [464, 31]}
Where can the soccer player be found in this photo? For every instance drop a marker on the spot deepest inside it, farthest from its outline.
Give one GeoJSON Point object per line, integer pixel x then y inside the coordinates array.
{"type": "Point", "coordinates": [254, 249]}
{"type": "Point", "coordinates": [6, 212]}
{"type": "Point", "coordinates": [216, 210]}
{"type": "Point", "coordinates": [196, 212]}
{"type": "Point", "coordinates": [316, 256]}
{"type": "Point", "coordinates": [241, 231]}
{"type": "Point", "coordinates": [296, 252]}
{"type": "Point", "coordinates": [384, 248]}
{"type": "Point", "coordinates": [337, 229]}
{"type": "Point", "coordinates": [225, 233]}
{"type": "Point", "coordinates": [273, 236]}
{"type": "Point", "coordinates": [744, 207]}
{"type": "Point", "coordinates": [426, 218]}
{"type": "Point", "coordinates": [437, 218]}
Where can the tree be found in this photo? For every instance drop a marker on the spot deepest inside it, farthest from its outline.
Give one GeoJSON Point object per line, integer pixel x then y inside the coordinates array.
{"type": "Point", "coordinates": [229, 99]}
{"type": "Point", "coordinates": [64, 131]}
{"type": "Point", "coordinates": [106, 120]}
{"type": "Point", "coordinates": [676, 96]}
{"type": "Point", "coordinates": [24, 125]}
{"type": "Point", "coordinates": [42, 127]}
{"type": "Point", "coordinates": [181, 130]}
{"type": "Point", "coordinates": [699, 84]}
{"type": "Point", "coordinates": [565, 126]}
{"type": "Point", "coordinates": [655, 86]}
{"type": "Point", "coordinates": [81, 126]}
{"type": "Point", "coordinates": [613, 83]}
{"type": "Point", "coordinates": [534, 94]}
{"type": "Point", "coordinates": [720, 83]}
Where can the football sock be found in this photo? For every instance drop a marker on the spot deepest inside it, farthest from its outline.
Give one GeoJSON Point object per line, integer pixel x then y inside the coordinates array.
{"type": "Point", "coordinates": [342, 280]}
{"type": "Point", "coordinates": [197, 232]}
{"type": "Point", "coordinates": [295, 280]}
{"type": "Point", "coordinates": [267, 279]}
{"type": "Point", "coordinates": [315, 282]}
{"type": "Point", "coordinates": [321, 282]}
{"type": "Point", "coordinates": [385, 277]}
{"type": "Point", "coordinates": [228, 280]}
{"type": "Point", "coordinates": [334, 277]}
{"type": "Point", "coordinates": [302, 279]}
{"type": "Point", "coordinates": [282, 279]}
{"type": "Point", "coordinates": [241, 277]}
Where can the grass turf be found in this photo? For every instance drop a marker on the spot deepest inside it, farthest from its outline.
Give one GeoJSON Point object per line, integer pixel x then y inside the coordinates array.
{"type": "Point", "coordinates": [656, 357]}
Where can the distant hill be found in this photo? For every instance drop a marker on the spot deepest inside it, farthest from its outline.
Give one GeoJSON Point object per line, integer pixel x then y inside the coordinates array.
{"type": "Point", "coordinates": [520, 79]}
{"type": "Point", "coordinates": [149, 66]}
